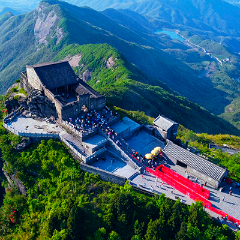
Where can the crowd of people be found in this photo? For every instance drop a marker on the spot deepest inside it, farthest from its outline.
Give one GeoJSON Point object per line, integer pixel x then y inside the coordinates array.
{"type": "Point", "coordinates": [92, 119]}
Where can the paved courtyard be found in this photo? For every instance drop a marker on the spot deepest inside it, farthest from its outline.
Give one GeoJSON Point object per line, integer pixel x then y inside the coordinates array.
{"type": "Point", "coordinates": [30, 125]}
{"type": "Point", "coordinates": [144, 142]}
{"type": "Point", "coordinates": [230, 205]}
{"type": "Point", "coordinates": [117, 167]}
{"type": "Point", "coordinates": [125, 126]}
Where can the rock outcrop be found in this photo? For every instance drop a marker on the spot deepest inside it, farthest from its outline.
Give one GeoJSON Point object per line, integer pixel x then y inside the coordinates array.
{"type": "Point", "coordinates": [25, 142]}
{"type": "Point", "coordinates": [11, 104]}
{"type": "Point", "coordinates": [38, 105]}
{"type": "Point", "coordinates": [13, 181]}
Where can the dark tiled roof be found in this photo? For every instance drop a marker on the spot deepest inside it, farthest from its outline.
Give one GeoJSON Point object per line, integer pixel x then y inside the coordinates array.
{"type": "Point", "coordinates": [55, 74]}
{"type": "Point", "coordinates": [194, 161]}
{"type": "Point", "coordinates": [163, 122]}
{"type": "Point", "coordinates": [82, 88]}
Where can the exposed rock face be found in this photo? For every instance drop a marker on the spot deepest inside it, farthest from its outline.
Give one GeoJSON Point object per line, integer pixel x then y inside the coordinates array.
{"type": "Point", "coordinates": [87, 76]}
{"type": "Point", "coordinates": [11, 104]}
{"type": "Point", "coordinates": [12, 179]}
{"type": "Point", "coordinates": [44, 24]}
{"type": "Point", "coordinates": [14, 85]}
{"type": "Point", "coordinates": [23, 144]}
{"type": "Point", "coordinates": [39, 106]}
{"type": "Point", "coordinates": [74, 60]}
{"type": "Point", "coordinates": [110, 63]}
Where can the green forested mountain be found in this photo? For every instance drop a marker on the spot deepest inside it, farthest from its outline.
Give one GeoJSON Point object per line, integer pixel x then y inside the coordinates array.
{"type": "Point", "coordinates": [216, 14]}
{"type": "Point", "coordinates": [127, 87]}
{"type": "Point", "coordinates": [39, 35]}
{"type": "Point", "coordinates": [9, 10]}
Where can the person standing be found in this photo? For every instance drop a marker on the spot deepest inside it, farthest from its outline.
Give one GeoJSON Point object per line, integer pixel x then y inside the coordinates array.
{"type": "Point", "coordinates": [223, 198]}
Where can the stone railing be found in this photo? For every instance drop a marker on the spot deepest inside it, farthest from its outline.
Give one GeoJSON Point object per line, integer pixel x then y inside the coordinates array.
{"type": "Point", "coordinates": [90, 159]}
{"type": "Point", "coordinates": [113, 120]}
{"type": "Point", "coordinates": [106, 176]}
{"type": "Point", "coordinates": [82, 156]}
{"type": "Point", "coordinates": [32, 135]}
{"type": "Point", "coordinates": [129, 159]}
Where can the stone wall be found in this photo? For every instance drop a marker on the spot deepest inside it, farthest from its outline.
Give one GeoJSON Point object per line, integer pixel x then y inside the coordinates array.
{"type": "Point", "coordinates": [91, 159]}
{"type": "Point", "coordinates": [104, 175]}
{"type": "Point", "coordinates": [33, 78]}
{"type": "Point", "coordinates": [84, 100]}
{"type": "Point", "coordinates": [192, 172]}
{"type": "Point", "coordinates": [124, 155]}
{"type": "Point", "coordinates": [203, 178]}
{"type": "Point", "coordinates": [49, 94]}
{"type": "Point", "coordinates": [24, 82]}
{"type": "Point", "coordinates": [97, 103]}
{"type": "Point", "coordinates": [133, 133]}
{"type": "Point", "coordinates": [172, 132]}
{"type": "Point", "coordinates": [52, 98]}
{"type": "Point", "coordinates": [160, 133]}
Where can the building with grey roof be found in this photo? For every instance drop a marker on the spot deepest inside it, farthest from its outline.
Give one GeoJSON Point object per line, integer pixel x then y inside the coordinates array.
{"type": "Point", "coordinates": [196, 165]}
{"type": "Point", "coordinates": [62, 86]}
{"type": "Point", "coordinates": [165, 128]}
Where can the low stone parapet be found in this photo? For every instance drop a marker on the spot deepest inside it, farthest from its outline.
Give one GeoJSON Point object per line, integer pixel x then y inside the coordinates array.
{"type": "Point", "coordinates": [104, 175]}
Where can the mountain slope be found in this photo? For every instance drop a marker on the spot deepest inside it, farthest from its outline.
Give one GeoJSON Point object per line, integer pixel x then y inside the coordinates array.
{"type": "Point", "coordinates": [214, 13]}
{"type": "Point", "coordinates": [126, 86]}
{"type": "Point", "coordinates": [38, 36]}
{"type": "Point", "coordinates": [9, 10]}
{"type": "Point", "coordinates": [69, 24]}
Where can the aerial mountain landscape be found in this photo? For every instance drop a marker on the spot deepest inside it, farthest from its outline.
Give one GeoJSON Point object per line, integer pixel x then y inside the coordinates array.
{"type": "Point", "coordinates": [176, 58]}
{"type": "Point", "coordinates": [182, 68]}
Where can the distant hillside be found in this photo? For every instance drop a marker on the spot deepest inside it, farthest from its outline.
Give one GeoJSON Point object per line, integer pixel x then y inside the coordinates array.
{"type": "Point", "coordinates": [126, 86]}
{"type": "Point", "coordinates": [213, 13]}
{"type": "Point", "coordinates": [17, 6]}
{"type": "Point", "coordinates": [25, 39]}
{"type": "Point", "coordinates": [10, 10]}
{"type": "Point", "coordinates": [39, 35]}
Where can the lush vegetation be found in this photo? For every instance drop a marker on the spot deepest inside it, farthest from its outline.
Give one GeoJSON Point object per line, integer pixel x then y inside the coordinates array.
{"type": "Point", "coordinates": [202, 141]}
{"type": "Point", "coordinates": [63, 202]}
{"type": "Point", "coordinates": [129, 88]}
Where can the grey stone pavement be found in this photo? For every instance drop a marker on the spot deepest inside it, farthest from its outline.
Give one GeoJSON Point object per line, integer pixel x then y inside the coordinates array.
{"type": "Point", "coordinates": [116, 167]}
{"type": "Point", "coordinates": [30, 125]}
{"type": "Point", "coordinates": [75, 143]}
{"type": "Point", "coordinates": [144, 143]}
{"type": "Point", "coordinates": [95, 141]}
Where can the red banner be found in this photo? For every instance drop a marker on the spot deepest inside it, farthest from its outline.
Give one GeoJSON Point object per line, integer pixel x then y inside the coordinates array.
{"type": "Point", "coordinates": [188, 188]}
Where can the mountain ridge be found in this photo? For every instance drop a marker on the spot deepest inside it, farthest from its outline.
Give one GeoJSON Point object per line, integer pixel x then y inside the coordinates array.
{"type": "Point", "coordinates": [128, 87]}
{"type": "Point", "coordinates": [31, 42]}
